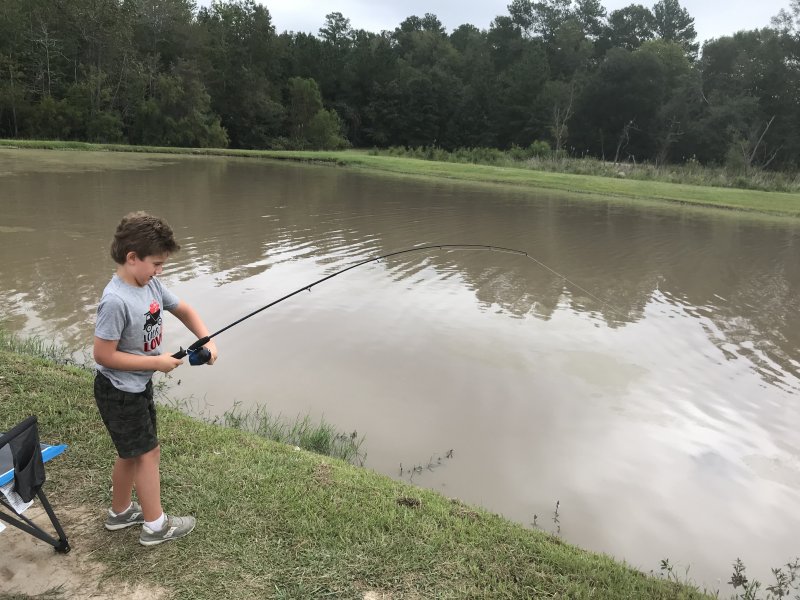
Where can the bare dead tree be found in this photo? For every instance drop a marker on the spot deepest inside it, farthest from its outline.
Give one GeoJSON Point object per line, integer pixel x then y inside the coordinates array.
{"type": "Point", "coordinates": [562, 113]}
{"type": "Point", "coordinates": [672, 135]}
{"type": "Point", "coordinates": [119, 80]}
{"type": "Point", "coordinates": [624, 137]}
{"type": "Point", "coordinates": [42, 38]}
{"type": "Point", "coordinates": [13, 93]}
{"type": "Point", "coordinates": [750, 149]}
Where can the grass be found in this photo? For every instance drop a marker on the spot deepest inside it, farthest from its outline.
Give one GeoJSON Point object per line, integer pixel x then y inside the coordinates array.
{"type": "Point", "coordinates": [277, 522]}
{"type": "Point", "coordinates": [691, 172]}
{"type": "Point", "coordinates": [33, 346]}
{"type": "Point", "coordinates": [588, 186]}
{"type": "Point", "coordinates": [54, 594]}
{"type": "Point", "coordinates": [320, 437]}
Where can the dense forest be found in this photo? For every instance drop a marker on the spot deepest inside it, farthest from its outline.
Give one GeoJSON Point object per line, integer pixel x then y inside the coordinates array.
{"type": "Point", "coordinates": [563, 75]}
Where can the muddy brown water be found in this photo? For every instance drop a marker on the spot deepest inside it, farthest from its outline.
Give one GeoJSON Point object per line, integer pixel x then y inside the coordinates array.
{"type": "Point", "coordinates": [659, 405]}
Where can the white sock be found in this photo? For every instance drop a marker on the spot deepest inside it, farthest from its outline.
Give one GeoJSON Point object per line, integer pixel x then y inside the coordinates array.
{"type": "Point", "coordinates": [113, 514]}
{"type": "Point", "coordinates": [157, 524]}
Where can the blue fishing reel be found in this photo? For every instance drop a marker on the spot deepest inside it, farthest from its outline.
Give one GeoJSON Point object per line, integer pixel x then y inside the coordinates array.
{"type": "Point", "coordinates": [198, 355]}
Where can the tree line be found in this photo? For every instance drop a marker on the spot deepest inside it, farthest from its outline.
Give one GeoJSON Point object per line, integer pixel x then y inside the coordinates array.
{"type": "Point", "coordinates": [632, 84]}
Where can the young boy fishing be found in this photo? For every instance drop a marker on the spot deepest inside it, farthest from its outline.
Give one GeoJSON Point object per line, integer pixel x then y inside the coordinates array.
{"type": "Point", "coordinates": [127, 349]}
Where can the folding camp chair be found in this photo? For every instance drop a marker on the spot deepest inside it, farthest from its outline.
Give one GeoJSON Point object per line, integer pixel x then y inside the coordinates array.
{"type": "Point", "coordinates": [22, 460]}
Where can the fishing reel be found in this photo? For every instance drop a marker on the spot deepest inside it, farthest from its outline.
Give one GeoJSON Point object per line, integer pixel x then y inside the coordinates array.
{"type": "Point", "coordinates": [198, 355]}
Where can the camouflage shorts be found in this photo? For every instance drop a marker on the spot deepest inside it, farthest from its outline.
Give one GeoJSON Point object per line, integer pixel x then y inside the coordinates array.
{"type": "Point", "coordinates": [129, 417]}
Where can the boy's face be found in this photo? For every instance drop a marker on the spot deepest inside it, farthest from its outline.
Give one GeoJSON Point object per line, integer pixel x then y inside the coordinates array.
{"type": "Point", "coordinates": [142, 270]}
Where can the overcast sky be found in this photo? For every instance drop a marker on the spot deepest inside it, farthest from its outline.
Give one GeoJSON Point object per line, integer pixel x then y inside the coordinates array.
{"type": "Point", "coordinates": [712, 18]}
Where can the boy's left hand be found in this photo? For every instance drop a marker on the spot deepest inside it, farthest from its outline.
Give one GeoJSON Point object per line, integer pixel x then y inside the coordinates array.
{"type": "Point", "coordinates": [212, 347]}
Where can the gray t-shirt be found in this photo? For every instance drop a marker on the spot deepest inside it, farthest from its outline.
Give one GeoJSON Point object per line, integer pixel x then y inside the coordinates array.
{"type": "Point", "coordinates": [132, 315]}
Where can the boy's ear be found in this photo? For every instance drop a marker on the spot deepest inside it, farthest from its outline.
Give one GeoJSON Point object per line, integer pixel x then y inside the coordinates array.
{"type": "Point", "coordinates": [130, 257]}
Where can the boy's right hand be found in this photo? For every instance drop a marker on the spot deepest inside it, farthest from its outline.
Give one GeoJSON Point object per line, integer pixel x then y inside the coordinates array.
{"type": "Point", "coordinates": [165, 363]}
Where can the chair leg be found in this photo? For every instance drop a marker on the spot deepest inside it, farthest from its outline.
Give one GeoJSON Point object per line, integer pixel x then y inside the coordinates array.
{"type": "Point", "coordinates": [63, 544]}
{"type": "Point", "coordinates": [24, 524]}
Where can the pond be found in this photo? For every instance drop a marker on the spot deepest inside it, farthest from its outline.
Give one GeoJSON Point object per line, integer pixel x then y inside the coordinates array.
{"type": "Point", "coordinates": [642, 376]}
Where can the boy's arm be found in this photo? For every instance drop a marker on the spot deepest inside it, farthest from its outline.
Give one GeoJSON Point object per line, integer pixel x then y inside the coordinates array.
{"type": "Point", "coordinates": [191, 319]}
{"type": "Point", "coordinates": [107, 355]}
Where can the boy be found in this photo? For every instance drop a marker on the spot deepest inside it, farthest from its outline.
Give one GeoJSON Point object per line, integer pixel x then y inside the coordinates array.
{"type": "Point", "coordinates": [127, 341]}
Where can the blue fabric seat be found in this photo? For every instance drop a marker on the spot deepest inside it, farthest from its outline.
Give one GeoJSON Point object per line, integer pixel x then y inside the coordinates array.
{"type": "Point", "coordinates": [22, 459]}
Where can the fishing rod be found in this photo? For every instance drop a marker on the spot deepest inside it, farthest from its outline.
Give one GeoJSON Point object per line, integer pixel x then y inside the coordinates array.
{"type": "Point", "coordinates": [199, 355]}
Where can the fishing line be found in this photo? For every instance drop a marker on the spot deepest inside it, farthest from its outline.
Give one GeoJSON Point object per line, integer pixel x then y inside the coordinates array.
{"type": "Point", "coordinates": [199, 355]}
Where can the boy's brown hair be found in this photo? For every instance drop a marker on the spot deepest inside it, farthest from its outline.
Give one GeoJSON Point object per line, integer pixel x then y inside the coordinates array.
{"type": "Point", "coordinates": [143, 234]}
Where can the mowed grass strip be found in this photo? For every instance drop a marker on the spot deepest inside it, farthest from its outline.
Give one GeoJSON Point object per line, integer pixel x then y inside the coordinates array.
{"type": "Point", "coordinates": [774, 203]}
{"type": "Point", "coordinates": [276, 522]}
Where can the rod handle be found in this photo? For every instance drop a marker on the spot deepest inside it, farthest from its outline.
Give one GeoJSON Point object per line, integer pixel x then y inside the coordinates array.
{"type": "Point", "coordinates": [197, 354]}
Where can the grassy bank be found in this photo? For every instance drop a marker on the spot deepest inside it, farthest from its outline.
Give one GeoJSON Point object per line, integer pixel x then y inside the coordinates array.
{"type": "Point", "coordinates": [691, 172]}
{"type": "Point", "coordinates": [275, 522]}
{"type": "Point", "coordinates": [777, 203]}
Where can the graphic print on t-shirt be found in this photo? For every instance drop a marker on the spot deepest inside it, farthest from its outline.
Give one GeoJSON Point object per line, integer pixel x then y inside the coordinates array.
{"type": "Point", "coordinates": [152, 327]}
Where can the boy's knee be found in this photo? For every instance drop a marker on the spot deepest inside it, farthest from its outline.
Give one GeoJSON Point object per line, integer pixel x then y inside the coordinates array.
{"type": "Point", "coordinates": [153, 454]}
{"type": "Point", "coordinates": [150, 456]}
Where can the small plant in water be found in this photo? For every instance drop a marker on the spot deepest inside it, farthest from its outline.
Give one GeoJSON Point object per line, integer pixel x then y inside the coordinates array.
{"type": "Point", "coordinates": [555, 518]}
{"type": "Point", "coordinates": [669, 573]}
{"type": "Point", "coordinates": [739, 580]}
{"type": "Point", "coordinates": [668, 570]}
{"type": "Point", "coordinates": [786, 581]}
{"type": "Point", "coordinates": [433, 463]}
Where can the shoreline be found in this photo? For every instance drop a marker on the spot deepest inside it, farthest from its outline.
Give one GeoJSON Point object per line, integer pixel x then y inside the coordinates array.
{"type": "Point", "coordinates": [781, 204]}
{"type": "Point", "coordinates": [274, 519]}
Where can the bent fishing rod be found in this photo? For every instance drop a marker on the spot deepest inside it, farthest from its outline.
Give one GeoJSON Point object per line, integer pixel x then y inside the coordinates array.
{"type": "Point", "coordinates": [199, 355]}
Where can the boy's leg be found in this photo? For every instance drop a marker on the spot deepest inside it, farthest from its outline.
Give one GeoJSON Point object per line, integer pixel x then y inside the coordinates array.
{"type": "Point", "coordinates": [130, 419]}
{"type": "Point", "coordinates": [147, 481]}
{"type": "Point", "coordinates": [122, 476]}
{"type": "Point", "coordinates": [148, 488]}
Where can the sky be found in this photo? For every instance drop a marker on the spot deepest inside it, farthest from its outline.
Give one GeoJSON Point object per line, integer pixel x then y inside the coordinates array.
{"type": "Point", "coordinates": [712, 18]}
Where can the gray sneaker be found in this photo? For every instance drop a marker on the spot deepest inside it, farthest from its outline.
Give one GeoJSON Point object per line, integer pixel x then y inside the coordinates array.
{"type": "Point", "coordinates": [132, 516]}
{"type": "Point", "coordinates": [174, 528]}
